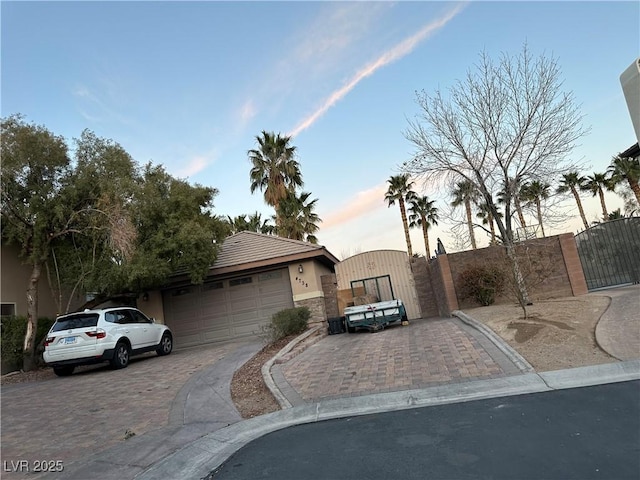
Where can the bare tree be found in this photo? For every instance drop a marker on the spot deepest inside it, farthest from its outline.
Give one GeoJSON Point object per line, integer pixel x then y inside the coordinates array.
{"type": "Point", "coordinates": [506, 124]}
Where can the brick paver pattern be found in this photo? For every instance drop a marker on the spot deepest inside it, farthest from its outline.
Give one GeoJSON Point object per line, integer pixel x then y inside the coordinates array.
{"type": "Point", "coordinates": [66, 418]}
{"type": "Point", "coordinates": [422, 354]}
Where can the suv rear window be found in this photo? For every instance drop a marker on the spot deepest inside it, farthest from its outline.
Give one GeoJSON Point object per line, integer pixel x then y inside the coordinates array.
{"type": "Point", "coordinates": [82, 320]}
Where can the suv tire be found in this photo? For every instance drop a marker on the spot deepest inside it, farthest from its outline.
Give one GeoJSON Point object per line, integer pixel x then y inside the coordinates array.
{"type": "Point", "coordinates": [166, 344]}
{"type": "Point", "coordinates": [63, 371]}
{"type": "Point", "coordinates": [121, 356]}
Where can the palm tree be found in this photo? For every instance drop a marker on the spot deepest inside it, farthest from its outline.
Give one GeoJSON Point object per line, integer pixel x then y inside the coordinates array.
{"type": "Point", "coordinates": [626, 168]}
{"type": "Point", "coordinates": [423, 214]}
{"type": "Point", "coordinates": [298, 221]}
{"type": "Point", "coordinates": [572, 182]}
{"type": "Point", "coordinates": [515, 191]}
{"type": "Point", "coordinates": [484, 213]}
{"type": "Point", "coordinates": [253, 224]}
{"type": "Point", "coordinates": [274, 171]}
{"type": "Point", "coordinates": [465, 194]}
{"type": "Point", "coordinates": [595, 184]}
{"type": "Point", "coordinates": [400, 190]}
{"type": "Point", "coordinates": [535, 192]}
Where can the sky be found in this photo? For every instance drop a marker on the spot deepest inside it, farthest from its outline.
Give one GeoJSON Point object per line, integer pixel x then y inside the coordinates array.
{"type": "Point", "coordinates": [190, 85]}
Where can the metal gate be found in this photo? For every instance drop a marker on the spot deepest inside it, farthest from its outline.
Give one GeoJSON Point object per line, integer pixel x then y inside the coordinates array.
{"type": "Point", "coordinates": [610, 253]}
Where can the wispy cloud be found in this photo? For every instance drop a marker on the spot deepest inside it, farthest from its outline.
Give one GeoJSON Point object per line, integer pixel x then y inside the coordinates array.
{"type": "Point", "coordinates": [362, 203]}
{"type": "Point", "coordinates": [398, 51]}
{"type": "Point", "coordinates": [193, 166]}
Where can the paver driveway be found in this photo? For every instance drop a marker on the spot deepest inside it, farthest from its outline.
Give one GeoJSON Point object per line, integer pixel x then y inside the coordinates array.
{"type": "Point", "coordinates": [69, 418]}
{"type": "Point", "coordinates": [425, 353]}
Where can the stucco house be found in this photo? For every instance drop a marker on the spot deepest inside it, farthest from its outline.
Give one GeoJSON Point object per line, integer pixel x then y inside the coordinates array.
{"type": "Point", "coordinates": [254, 276]}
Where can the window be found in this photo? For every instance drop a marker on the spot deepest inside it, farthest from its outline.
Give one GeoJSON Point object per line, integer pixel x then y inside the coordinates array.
{"type": "Point", "coordinates": [138, 317]}
{"type": "Point", "coordinates": [270, 275]}
{"type": "Point", "coordinates": [180, 292]}
{"type": "Point", "coordinates": [118, 316]}
{"type": "Point", "coordinates": [240, 281]}
{"type": "Point", "coordinates": [82, 320]}
{"type": "Point", "coordinates": [7, 309]}
{"type": "Point", "coordinates": [212, 286]}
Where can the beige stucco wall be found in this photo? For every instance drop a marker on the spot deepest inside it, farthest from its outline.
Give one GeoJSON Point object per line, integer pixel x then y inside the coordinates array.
{"type": "Point", "coordinates": [152, 306]}
{"type": "Point", "coordinates": [14, 279]}
{"type": "Point", "coordinates": [308, 284]}
{"type": "Point", "coordinates": [377, 263]}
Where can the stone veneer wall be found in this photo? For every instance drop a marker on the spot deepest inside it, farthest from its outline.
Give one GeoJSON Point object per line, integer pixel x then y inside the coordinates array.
{"type": "Point", "coordinates": [330, 289]}
{"type": "Point", "coordinates": [424, 288]}
{"type": "Point", "coordinates": [316, 306]}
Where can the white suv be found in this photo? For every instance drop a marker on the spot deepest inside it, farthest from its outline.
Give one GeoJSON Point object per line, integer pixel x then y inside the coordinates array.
{"type": "Point", "coordinates": [108, 334]}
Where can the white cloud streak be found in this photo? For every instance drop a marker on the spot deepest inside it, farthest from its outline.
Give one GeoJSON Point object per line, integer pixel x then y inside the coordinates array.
{"type": "Point", "coordinates": [398, 51]}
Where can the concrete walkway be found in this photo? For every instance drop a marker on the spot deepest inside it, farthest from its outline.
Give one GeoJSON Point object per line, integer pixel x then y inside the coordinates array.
{"type": "Point", "coordinates": [618, 331]}
{"type": "Point", "coordinates": [204, 428]}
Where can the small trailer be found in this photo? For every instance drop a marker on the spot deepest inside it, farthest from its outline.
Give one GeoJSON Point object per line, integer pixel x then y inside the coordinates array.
{"type": "Point", "coordinates": [374, 316]}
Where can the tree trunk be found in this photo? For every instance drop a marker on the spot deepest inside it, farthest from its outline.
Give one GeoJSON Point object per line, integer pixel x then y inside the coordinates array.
{"type": "Point", "coordinates": [29, 350]}
{"type": "Point", "coordinates": [520, 286]}
{"type": "Point", "coordinates": [406, 227]}
{"type": "Point", "coordinates": [492, 228]}
{"type": "Point", "coordinates": [539, 209]}
{"type": "Point", "coordinates": [635, 188]}
{"type": "Point", "coordinates": [516, 202]}
{"type": "Point", "coordinates": [605, 214]}
{"type": "Point", "coordinates": [425, 233]}
{"type": "Point", "coordinates": [580, 209]}
{"type": "Point", "coordinates": [467, 205]}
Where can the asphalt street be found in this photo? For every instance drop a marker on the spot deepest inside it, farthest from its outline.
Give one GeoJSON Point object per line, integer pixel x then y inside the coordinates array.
{"type": "Point", "coordinates": [580, 433]}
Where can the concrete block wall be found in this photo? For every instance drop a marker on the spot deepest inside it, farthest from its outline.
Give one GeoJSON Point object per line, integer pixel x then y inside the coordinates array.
{"type": "Point", "coordinates": [330, 289]}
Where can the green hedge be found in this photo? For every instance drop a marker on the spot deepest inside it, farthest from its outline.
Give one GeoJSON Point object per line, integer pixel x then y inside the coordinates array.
{"type": "Point", "coordinates": [291, 321]}
{"type": "Point", "coordinates": [12, 332]}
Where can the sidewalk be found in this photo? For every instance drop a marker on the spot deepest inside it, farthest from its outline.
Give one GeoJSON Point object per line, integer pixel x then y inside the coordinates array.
{"type": "Point", "coordinates": [205, 429]}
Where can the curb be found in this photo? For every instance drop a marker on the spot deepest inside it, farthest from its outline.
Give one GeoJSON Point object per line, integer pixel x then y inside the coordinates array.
{"type": "Point", "coordinates": [266, 368]}
{"type": "Point", "coordinates": [595, 331]}
{"type": "Point", "coordinates": [519, 361]}
{"type": "Point", "coordinates": [201, 457]}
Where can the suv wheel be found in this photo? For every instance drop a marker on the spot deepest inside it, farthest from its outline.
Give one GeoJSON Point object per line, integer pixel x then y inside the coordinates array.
{"type": "Point", "coordinates": [63, 371]}
{"type": "Point", "coordinates": [120, 356]}
{"type": "Point", "coordinates": [166, 344]}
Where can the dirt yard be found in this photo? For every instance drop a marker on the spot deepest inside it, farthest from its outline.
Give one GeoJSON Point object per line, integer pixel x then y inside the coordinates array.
{"type": "Point", "coordinates": [557, 334]}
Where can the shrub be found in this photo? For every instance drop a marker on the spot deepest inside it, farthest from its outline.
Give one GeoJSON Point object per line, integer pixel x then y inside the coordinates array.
{"type": "Point", "coordinates": [291, 321]}
{"type": "Point", "coordinates": [482, 284]}
{"type": "Point", "coordinates": [12, 332]}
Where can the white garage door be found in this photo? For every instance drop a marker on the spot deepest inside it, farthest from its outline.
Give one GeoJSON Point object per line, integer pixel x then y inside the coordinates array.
{"type": "Point", "coordinates": [226, 309]}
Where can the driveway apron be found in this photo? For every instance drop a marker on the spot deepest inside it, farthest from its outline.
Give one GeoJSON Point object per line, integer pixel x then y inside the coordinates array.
{"type": "Point", "coordinates": [425, 353]}
{"type": "Point", "coordinates": [72, 418]}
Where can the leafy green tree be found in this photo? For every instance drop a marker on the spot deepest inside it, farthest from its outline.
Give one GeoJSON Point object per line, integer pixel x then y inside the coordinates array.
{"type": "Point", "coordinates": [535, 192]}
{"type": "Point", "coordinates": [626, 168]}
{"type": "Point", "coordinates": [36, 171]}
{"type": "Point", "coordinates": [298, 220]}
{"type": "Point", "coordinates": [465, 194]}
{"type": "Point", "coordinates": [400, 190]}
{"type": "Point", "coordinates": [423, 213]}
{"type": "Point", "coordinates": [572, 182]}
{"type": "Point", "coordinates": [274, 169]}
{"type": "Point", "coordinates": [596, 184]}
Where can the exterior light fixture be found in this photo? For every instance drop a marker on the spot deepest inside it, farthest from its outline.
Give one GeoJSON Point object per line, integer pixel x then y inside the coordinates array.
{"type": "Point", "coordinates": [300, 269]}
{"type": "Point", "coordinates": [145, 296]}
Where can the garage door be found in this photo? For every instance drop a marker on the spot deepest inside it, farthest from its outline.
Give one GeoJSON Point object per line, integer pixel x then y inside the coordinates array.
{"type": "Point", "coordinates": [226, 309]}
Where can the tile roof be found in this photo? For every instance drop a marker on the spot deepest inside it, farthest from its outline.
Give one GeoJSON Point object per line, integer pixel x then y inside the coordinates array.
{"type": "Point", "coordinates": [251, 247]}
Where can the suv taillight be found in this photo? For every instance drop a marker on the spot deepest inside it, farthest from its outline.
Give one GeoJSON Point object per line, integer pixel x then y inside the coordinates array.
{"type": "Point", "coordinates": [98, 334]}
{"type": "Point", "coordinates": [49, 341]}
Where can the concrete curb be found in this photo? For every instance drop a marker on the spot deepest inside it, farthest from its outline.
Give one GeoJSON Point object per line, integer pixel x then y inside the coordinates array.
{"type": "Point", "coordinates": [266, 368]}
{"type": "Point", "coordinates": [519, 361]}
{"type": "Point", "coordinates": [206, 454]}
{"type": "Point", "coordinates": [597, 335]}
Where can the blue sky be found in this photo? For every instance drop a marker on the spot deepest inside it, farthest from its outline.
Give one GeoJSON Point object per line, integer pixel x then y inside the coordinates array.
{"type": "Point", "coordinates": [190, 84]}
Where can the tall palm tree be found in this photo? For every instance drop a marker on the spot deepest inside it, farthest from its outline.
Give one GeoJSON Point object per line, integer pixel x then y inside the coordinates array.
{"type": "Point", "coordinates": [423, 214]}
{"type": "Point", "coordinates": [465, 194]}
{"type": "Point", "coordinates": [298, 221]}
{"type": "Point", "coordinates": [274, 170]}
{"type": "Point", "coordinates": [484, 213]}
{"type": "Point", "coordinates": [252, 224]}
{"type": "Point", "coordinates": [595, 184]}
{"type": "Point", "coordinates": [535, 192]}
{"type": "Point", "coordinates": [626, 168]}
{"type": "Point", "coordinates": [400, 190]}
{"type": "Point", "coordinates": [572, 182]}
